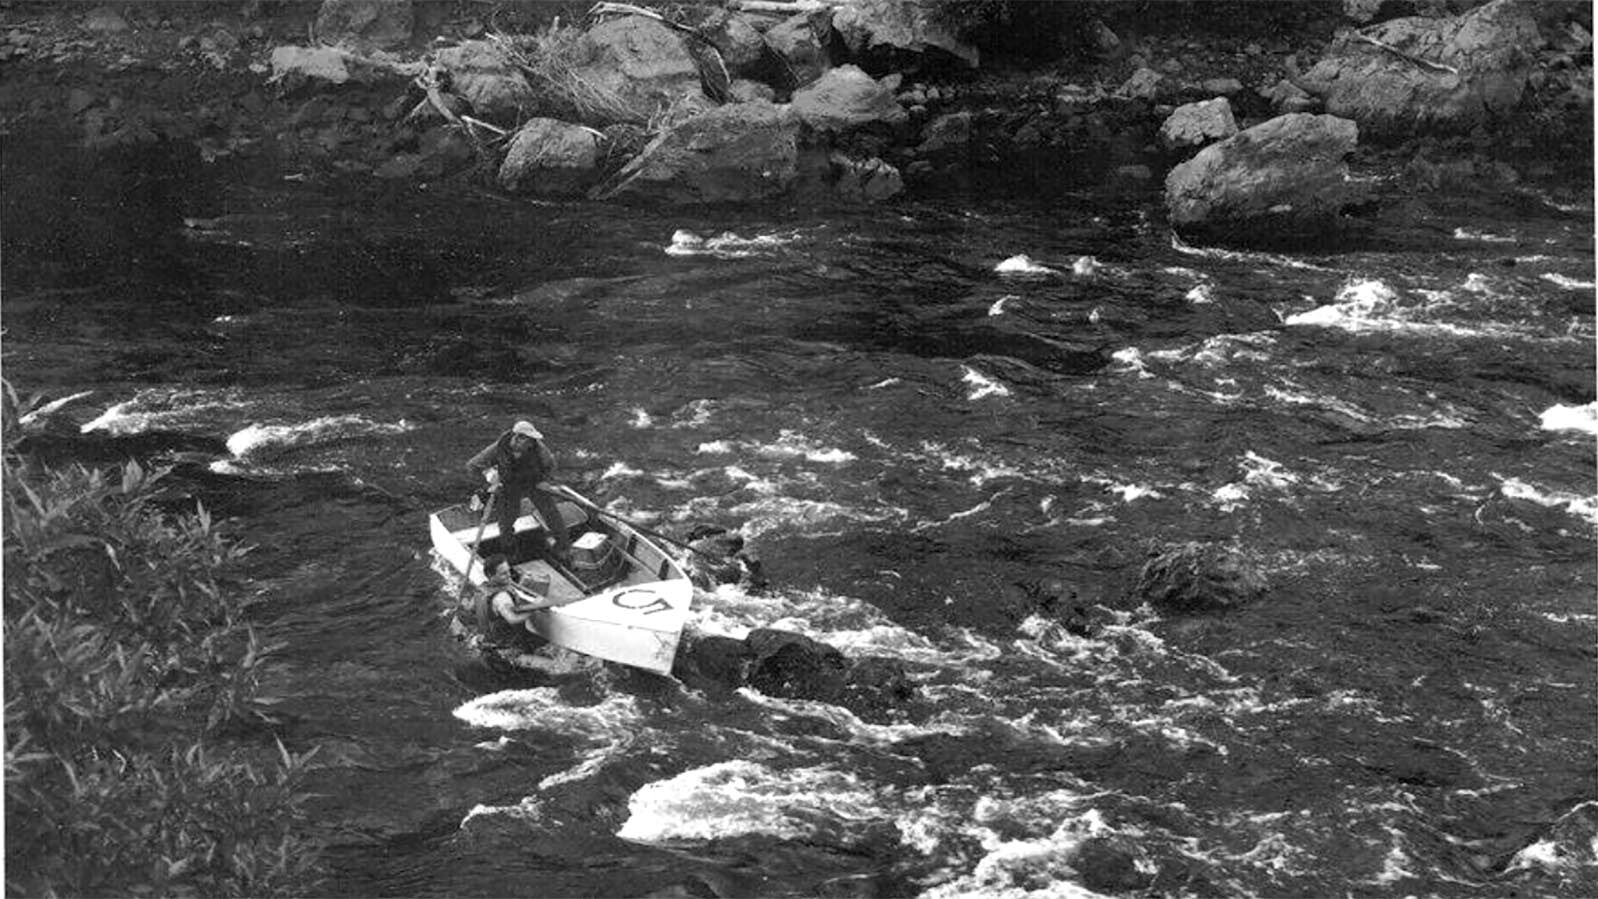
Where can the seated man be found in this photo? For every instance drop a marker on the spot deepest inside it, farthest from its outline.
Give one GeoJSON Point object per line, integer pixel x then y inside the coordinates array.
{"type": "Point", "coordinates": [502, 612]}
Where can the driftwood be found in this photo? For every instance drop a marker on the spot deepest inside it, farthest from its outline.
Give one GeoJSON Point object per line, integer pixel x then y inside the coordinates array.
{"type": "Point", "coordinates": [428, 80]}
{"type": "Point", "coordinates": [479, 123]}
{"type": "Point", "coordinates": [785, 7]}
{"type": "Point", "coordinates": [1407, 57]}
{"type": "Point", "coordinates": [627, 9]}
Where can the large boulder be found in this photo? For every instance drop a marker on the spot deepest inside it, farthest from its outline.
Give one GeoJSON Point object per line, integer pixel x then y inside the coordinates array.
{"type": "Point", "coordinates": [800, 42]}
{"type": "Point", "coordinates": [550, 158]}
{"type": "Point", "coordinates": [1416, 75]}
{"type": "Point", "coordinates": [847, 98]}
{"type": "Point", "coordinates": [746, 151]}
{"type": "Point", "coordinates": [481, 74]}
{"type": "Point", "coordinates": [643, 65]}
{"type": "Point", "coordinates": [902, 25]}
{"type": "Point", "coordinates": [365, 23]}
{"type": "Point", "coordinates": [1197, 124]}
{"type": "Point", "coordinates": [1284, 178]}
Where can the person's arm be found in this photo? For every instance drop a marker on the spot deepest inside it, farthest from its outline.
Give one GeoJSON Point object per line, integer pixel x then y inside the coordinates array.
{"type": "Point", "coordinates": [505, 606]}
{"type": "Point", "coordinates": [480, 463]}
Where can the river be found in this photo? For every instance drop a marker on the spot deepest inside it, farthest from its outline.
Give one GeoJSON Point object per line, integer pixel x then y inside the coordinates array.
{"type": "Point", "coordinates": [918, 412]}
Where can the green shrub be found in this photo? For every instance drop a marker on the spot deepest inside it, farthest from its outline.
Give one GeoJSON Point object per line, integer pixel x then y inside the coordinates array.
{"type": "Point", "coordinates": [137, 758]}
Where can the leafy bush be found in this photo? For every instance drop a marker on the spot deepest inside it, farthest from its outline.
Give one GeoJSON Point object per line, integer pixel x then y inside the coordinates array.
{"type": "Point", "coordinates": [135, 759]}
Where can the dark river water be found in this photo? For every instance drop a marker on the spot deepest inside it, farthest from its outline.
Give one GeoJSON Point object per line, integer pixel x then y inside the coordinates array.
{"type": "Point", "coordinates": [917, 412]}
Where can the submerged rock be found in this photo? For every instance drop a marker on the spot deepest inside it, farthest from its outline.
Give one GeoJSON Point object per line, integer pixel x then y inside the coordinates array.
{"type": "Point", "coordinates": [790, 665]}
{"type": "Point", "coordinates": [786, 664]}
{"type": "Point", "coordinates": [1198, 577]}
{"type": "Point", "coordinates": [1109, 865]}
{"type": "Point", "coordinates": [1285, 177]}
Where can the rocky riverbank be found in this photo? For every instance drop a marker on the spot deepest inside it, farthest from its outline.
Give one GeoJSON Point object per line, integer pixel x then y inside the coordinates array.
{"type": "Point", "coordinates": [858, 101]}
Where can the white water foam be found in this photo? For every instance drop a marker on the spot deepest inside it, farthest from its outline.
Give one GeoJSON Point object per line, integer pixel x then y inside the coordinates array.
{"type": "Point", "coordinates": [1357, 305]}
{"type": "Point", "coordinates": [260, 441]}
{"type": "Point", "coordinates": [1258, 472]}
{"type": "Point", "coordinates": [861, 731]}
{"type": "Point", "coordinates": [1571, 418]}
{"type": "Point", "coordinates": [792, 444]}
{"type": "Point", "coordinates": [977, 509]}
{"type": "Point", "coordinates": [981, 471]}
{"type": "Point", "coordinates": [1041, 866]}
{"type": "Point", "coordinates": [1221, 349]}
{"type": "Point", "coordinates": [1022, 266]}
{"type": "Point", "coordinates": [1478, 283]}
{"type": "Point", "coordinates": [727, 245]}
{"type": "Point", "coordinates": [854, 627]}
{"type": "Point", "coordinates": [1127, 492]}
{"type": "Point", "coordinates": [740, 798]}
{"type": "Point", "coordinates": [1131, 360]}
{"type": "Point", "coordinates": [998, 305]}
{"type": "Point", "coordinates": [1482, 236]}
{"type": "Point", "coordinates": [803, 516]}
{"type": "Point", "coordinates": [153, 410]}
{"type": "Point", "coordinates": [540, 708]}
{"type": "Point", "coordinates": [1276, 259]}
{"type": "Point", "coordinates": [1568, 282]}
{"type": "Point", "coordinates": [1583, 507]}
{"type": "Point", "coordinates": [982, 385]}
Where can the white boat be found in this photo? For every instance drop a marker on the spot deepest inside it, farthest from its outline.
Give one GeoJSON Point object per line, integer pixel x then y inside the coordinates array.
{"type": "Point", "coordinates": [622, 598]}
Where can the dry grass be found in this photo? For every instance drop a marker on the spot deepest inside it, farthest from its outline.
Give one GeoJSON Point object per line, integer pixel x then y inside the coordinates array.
{"type": "Point", "coordinates": [553, 60]}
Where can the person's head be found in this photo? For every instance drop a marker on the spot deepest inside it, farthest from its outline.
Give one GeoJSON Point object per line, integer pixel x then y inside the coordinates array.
{"type": "Point", "coordinates": [523, 435]}
{"type": "Point", "coordinates": [496, 565]}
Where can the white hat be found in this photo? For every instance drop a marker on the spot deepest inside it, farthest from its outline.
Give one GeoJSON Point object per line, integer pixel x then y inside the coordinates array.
{"type": "Point", "coordinates": [526, 429]}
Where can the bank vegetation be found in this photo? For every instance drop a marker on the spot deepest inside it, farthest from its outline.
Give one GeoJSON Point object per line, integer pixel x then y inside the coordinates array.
{"type": "Point", "coordinates": [140, 754]}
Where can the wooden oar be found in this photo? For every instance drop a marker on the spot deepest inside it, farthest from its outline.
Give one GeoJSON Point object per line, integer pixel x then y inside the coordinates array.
{"type": "Point", "coordinates": [577, 498]}
{"type": "Point", "coordinates": [488, 509]}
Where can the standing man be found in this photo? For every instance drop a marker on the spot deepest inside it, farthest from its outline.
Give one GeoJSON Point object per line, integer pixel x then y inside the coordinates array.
{"type": "Point", "coordinates": [518, 464]}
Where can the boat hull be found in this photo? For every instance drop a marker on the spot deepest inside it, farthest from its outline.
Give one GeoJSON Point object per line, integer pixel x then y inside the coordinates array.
{"type": "Point", "coordinates": [635, 619]}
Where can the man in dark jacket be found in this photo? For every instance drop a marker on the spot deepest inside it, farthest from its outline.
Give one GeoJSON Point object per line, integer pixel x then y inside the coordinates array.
{"type": "Point", "coordinates": [518, 463]}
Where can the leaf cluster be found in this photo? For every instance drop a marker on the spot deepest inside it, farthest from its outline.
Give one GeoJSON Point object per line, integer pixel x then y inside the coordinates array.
{"type": "Point", "coordinates": [136, 758]}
